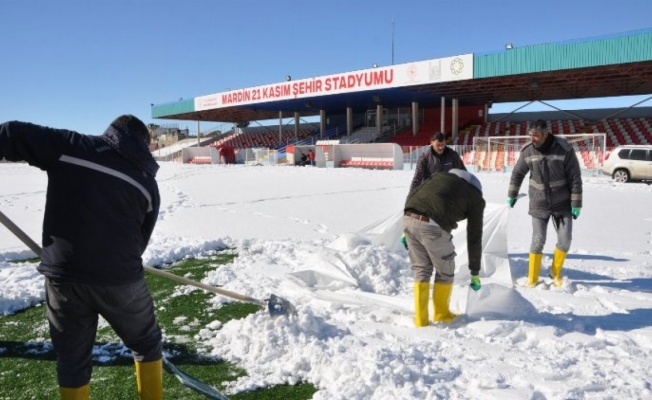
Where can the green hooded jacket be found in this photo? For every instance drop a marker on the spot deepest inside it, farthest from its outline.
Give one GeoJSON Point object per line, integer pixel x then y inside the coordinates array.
{"type": "Point", "coordinates": [448, 199]}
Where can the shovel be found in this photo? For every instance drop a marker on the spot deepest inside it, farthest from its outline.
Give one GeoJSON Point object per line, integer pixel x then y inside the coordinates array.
{"type": "Point", "coordinates": [276, 306]}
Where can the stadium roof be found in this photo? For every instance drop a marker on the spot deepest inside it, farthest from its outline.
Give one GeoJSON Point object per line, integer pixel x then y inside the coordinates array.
{"type": "Point", "coordinates": [616, 65]}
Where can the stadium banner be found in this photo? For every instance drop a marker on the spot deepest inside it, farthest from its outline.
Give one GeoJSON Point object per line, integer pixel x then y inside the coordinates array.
{"type": "Point", "coordinates": [438, 70]}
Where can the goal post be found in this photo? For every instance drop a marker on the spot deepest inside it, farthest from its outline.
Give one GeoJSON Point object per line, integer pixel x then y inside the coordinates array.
{"type": "Point", "coordinates": [500, 153]}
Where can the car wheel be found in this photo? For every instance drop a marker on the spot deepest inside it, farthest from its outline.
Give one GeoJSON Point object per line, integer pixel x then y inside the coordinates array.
{"type": "Point", "coordinates": [621, 175]}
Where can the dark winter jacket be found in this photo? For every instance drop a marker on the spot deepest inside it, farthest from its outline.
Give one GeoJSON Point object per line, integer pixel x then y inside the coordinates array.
{"type": "Point", "coordinates": [102, 200]}
{"type": "Point", "coordinates": [448, 199]}
{"type": "Point", "coordinates": [430, 163]}
{"type": "Point", "coordinates": [555, 178]}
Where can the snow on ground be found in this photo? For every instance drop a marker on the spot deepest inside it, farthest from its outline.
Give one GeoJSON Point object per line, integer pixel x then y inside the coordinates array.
{"type": "Point", "coordinates": [302, 233]}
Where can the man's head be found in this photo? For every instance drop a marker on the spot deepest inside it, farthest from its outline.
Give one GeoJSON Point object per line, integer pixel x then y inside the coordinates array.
{"type": "Point", "coordinates": [438, 142]}
{"type": "Point", "coordinates": [132, 126]}
{"type": "Point", "coordinates": [468, 177]}
{"type": "Point", "coordinates": [538, 132]}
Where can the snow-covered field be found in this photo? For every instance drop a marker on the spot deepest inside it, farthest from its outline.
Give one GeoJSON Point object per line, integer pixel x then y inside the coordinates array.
{"type": "Point", "coordinates": [304, 234]}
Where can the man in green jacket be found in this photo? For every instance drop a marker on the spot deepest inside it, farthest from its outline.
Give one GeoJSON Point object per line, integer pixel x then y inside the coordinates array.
{"type": "Point", "coordinates": [432, 211]}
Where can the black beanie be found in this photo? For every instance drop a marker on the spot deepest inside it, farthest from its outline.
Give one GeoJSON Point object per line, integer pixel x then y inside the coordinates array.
{"type": "Point", "coordinates": [132, 126]}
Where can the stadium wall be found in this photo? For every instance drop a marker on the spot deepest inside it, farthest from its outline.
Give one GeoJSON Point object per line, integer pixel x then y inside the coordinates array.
{"type": "Point", "coordinates": [178, 107]}
{"type": "Point", "coordinates": [629, 48]}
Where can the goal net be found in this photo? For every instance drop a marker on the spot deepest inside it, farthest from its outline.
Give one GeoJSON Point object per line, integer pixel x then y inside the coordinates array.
{"type": "Point", "coordinates": [500, 153]}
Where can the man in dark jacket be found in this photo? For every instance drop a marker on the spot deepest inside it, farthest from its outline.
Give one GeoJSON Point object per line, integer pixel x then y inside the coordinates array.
{"type": "Point", "coordinates": [101, 206]}
{"type": "Point", "coordinates": [439, 158]}
{"type": "Point", "coordinates": [555, 190]}
{"type": "Point", "coordinates": [432, 211]}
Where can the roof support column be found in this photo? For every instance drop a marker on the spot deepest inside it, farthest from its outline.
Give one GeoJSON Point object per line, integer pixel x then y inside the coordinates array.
{"type": "Point", "coordinates": [379, 119]}
{"type": "Point", "coordinates": [442, 115]}
{"type": "Point", "coordinates": [349, 121]}
{"type": "Point", "coordinates": [296, 126]}
{"type": "Point", "coordinates": [455, 119]}
{"type": "Point", "coordinates": [415, 118]}
{"type": "Point", "coordinates": [322, 123]}
{"type": "Point", "coordinates": [280, 126]}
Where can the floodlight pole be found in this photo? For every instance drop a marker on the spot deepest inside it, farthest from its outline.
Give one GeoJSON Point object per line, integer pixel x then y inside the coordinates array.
{"type": "Point", "coordinates": [392, 40]}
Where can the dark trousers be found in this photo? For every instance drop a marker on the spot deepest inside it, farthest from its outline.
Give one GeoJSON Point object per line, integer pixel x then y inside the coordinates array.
{"type": "Point", "coordinates": [72, 311]}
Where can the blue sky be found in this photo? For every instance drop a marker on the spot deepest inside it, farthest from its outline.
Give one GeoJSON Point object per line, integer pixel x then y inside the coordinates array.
{"type": "Point", "coordinates": [79, 64]}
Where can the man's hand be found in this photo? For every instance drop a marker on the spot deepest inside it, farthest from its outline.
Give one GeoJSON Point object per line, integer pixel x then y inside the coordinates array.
{"type": "Point", "coordinates": [511, 201]}
{"type": "Point", "coordinates": [475, 283]}
{"type": "Point", "coordinates": [404, 241]}
{"type": "Point", "coordinates": [575, 211]}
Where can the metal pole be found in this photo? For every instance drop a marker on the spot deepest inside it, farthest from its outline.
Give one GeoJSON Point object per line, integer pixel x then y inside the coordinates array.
{"type": "Point", "coordinates": [415, 118]}
{"type": "Point", "coordinates": [442, 115]}
{"type": "Point", "coordinates": [349, 121]}
{"type": "Point", "coordinates": [198, 145]}
{"type": "Point", "coordinates": [296, 127]}
{"type": "Point", "coordinates": [455, 118]}
{"type": "Point", "coordinates": [392, 41]}
{"type": "Point", "coordinates": [322, 123]}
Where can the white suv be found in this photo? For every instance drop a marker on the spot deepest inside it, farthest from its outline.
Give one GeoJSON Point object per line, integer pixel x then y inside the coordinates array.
{"type": "Point", "coordinates": [628, 163]}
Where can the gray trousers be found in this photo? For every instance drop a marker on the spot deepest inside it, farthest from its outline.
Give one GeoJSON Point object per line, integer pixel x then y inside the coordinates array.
{"type": "Point", "coordinates": [429, 247]}
{"type": "Point", "coordinates": [72, 311]}
{"type": "Point", "coordinates": [563, 226]}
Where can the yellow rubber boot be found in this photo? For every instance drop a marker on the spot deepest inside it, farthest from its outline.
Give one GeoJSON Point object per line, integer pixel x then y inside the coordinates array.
{"type": "Point", "coordinates": [80, 393]}
{"type": "Point", "coordinates": [441, 297]}
{"type": "Point", "coordinates": [535, 268]}
{"type": "Point", "coordinates": [149, 378]}
{"type": "Point", "coordinates": [555, 270]}
{"type": "Point", "coordinates": [421, 296]}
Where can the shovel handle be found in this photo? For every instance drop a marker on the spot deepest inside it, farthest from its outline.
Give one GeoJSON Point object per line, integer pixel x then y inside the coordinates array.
{"type": "Point", "coordinates": [37, 250]}
{"type": "Point", "coordinates": [20, 234]}
{"type": "Point", "coordinates": [201, 285]}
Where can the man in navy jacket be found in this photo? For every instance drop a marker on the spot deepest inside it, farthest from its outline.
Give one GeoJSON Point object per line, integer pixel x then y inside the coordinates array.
{"type": "Point", "coordinates": [438, 158]}
{"type": "Point", "coordinates": [101, 206]}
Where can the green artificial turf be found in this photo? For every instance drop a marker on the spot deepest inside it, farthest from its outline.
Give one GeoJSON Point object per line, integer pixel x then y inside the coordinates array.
{"type": "Point", "coordinates": [27, 361]}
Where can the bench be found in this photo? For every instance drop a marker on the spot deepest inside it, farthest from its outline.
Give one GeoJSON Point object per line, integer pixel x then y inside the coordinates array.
{"type": "Point", "coordinates": [200, 160]}
{"type": "Point", "coordinates": [368, 163]}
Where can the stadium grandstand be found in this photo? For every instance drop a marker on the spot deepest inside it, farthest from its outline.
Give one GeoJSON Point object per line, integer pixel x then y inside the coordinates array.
{"type": "Point", "coordinates": [404, 104]}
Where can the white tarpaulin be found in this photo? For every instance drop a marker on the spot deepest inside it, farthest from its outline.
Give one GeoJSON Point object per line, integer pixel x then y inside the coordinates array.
{"type": "Point", "coordinates": [495, 264]}
{"type": "Point", "coordinates": [331, 279]}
